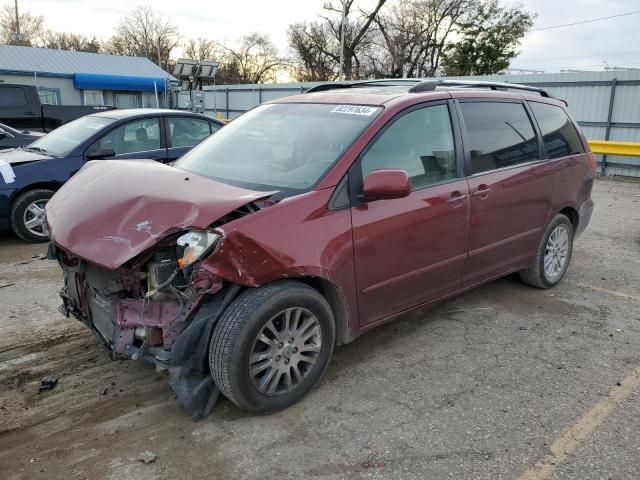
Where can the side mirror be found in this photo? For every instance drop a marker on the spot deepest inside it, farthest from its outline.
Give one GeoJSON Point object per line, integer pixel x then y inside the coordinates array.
{"type": "Point", "coordinates": [100, 154]}
{"type": "Point", "coordinates": [386, 184]}
{"type": "Point", "coordinates": [3, 134]}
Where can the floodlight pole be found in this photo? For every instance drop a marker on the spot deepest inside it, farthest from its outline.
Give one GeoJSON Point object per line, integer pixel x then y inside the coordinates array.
{"type": "Point", "coordinates": [344, 8]}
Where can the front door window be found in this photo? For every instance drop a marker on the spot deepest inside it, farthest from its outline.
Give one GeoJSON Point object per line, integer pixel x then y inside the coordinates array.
{"type": "Point", "coordinates": [137, 136]}
{"type": "Point", "coordinates": [421, 143]}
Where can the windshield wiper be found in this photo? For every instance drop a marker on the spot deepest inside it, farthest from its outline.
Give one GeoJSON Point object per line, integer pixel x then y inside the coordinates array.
{"type": "Point", "coordinates": [38, 150]}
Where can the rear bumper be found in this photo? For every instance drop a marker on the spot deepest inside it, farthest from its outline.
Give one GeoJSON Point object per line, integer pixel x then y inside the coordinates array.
{"type": "Point", "coordinates": [584, 216]}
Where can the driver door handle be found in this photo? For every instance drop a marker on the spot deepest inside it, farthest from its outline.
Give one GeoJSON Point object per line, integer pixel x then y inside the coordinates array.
{"type": "Point", "coordinates": [456, 199]}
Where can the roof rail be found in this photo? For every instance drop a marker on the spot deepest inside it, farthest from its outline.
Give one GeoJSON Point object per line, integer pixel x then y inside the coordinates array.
{"type": "Point", "coordinates": [417, 85]}
{"type": "Point", "coordinates": [383, 82]}
{"type": "Point", "coordinates": [431, 84]}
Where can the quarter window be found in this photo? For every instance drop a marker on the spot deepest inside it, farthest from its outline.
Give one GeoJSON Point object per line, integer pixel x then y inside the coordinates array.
{"type": "Point", "coordinates": [499, 135]}
{"type": "Point", "coordinates": [187, 132]}
{"type": "Point", "coordinates": [133, 137]}
{"type": "Point", "coordinates": [558, 132]}
{"type": "Point", "coordinates": [421, 143]}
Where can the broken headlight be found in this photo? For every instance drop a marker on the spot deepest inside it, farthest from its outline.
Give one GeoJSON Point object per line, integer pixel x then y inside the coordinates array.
{"type": "Point", "coordinates": [194, 245]}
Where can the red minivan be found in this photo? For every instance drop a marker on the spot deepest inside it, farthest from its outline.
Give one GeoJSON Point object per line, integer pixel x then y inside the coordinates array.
{"type": "Point", "coordinates": [313, 218]}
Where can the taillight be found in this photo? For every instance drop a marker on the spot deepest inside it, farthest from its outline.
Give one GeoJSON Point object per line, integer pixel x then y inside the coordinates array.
{"type": "Point", "coordinates": [593, 161]}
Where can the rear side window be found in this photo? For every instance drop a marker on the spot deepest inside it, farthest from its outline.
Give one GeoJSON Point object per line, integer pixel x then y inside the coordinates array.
{"type": "Point", "coordinates": [421, 143]}
{"type": "Point", "coordinates": [187, 132]}
{"type": "Point", "coordinates": [11, 97]}
{"type": "Point", "coordinates": [499, 135]}
{"type": "Point", "coordinates": [558, 132]}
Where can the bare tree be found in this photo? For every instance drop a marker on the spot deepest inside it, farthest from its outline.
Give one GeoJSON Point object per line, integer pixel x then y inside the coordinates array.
{"type": "Point", "coordinates": [30, 27]}
{"type": "Point", "coordinates": [254, 60]}
{"type": "Point", "coordinates": [145, 33]}
{"type": "Point", "coordinates": [202, 49]}
{"type": "Point", "coordinates": [315, 51]}
{"type": "Point", "coordinates": [357, 31]}
{"type": "Point", "coordinates": [69, 41]}
{"type": "Point", "coordinates": [416, 33]}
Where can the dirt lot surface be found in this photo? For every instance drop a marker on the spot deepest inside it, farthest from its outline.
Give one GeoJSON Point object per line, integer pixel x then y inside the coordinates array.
{"type": "Point", "coordinates": [505, 381]}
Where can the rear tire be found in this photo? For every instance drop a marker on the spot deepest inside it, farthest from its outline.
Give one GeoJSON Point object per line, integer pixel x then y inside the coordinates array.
{"type": "Point", "coordinates": [27, 215]}
{"type": "Point", "coordinates": [553, 256]}
{"type": "Point", "coordinates": [272, 345]}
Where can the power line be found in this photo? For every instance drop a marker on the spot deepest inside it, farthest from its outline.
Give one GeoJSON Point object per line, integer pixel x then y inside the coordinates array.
{"type": "Point", "coordinates": [610, 54]}
{"type": "Point", "coordinates": [585, 21]}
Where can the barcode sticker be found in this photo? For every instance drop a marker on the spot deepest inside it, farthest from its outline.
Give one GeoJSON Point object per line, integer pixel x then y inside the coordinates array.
{"type": "Point", "coordinates": [355, 110]}
{"type": "Point", "coordinates": [7, 172]}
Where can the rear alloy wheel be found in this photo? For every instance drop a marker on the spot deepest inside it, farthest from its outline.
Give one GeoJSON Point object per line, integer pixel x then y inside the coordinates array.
{"type": "Point", "coordinates": [553, 255]}
{"type": "Point", "coordinates": [272, 345]}
{"type": "Point", "coordinates": [27, 215]}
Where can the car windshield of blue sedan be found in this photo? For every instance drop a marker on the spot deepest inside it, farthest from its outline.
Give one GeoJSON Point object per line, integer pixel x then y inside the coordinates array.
{"type": "Point", "coordinates": [65, 139]}
{"type": "Point", "coordinates": [286, 146]}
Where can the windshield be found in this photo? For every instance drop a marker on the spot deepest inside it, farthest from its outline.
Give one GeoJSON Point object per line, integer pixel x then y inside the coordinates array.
{"type": "Point", "coordinates": [63, 140]}
{"type": "Point", "coordinates": [286, 146]}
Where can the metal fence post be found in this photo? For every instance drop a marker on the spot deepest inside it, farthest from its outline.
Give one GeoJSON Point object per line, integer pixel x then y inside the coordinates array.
{"type": "Point", "coordinates": [607, 133]}
{"type": "Point", "coordinates": [259, 95]}
{"type": "Point", "coordinates": [226, 100]}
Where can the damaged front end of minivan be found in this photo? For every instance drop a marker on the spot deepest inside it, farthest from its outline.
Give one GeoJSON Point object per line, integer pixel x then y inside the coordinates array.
{"type": "Point", "coordinates": [146, 291]}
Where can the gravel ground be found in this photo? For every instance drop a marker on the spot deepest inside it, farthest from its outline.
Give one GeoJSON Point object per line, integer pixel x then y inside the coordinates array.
{"type": "Point", "coordinates": [481, 386]}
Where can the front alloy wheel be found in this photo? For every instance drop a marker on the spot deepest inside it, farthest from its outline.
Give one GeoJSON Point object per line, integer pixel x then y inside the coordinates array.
{"type": "Point", "coordinates": [285, 351]}
{"type": "Point", "coordinates": [27, 215]}
{"type": "Point", "coordinates": [272, 345]}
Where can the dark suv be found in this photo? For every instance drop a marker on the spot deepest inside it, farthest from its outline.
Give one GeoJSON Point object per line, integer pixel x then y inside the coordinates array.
{"type": "Point", "coordinates": [313, 218]}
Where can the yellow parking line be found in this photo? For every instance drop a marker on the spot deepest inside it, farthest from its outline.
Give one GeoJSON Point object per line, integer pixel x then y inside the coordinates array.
{"type": "Point", "coordinates": [605, 290]}
{"type": "Point", "coordinates": [566, 445]}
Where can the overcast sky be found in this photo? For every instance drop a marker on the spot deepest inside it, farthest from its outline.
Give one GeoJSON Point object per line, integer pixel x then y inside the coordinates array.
{"type": "Point", "coordinates": [615, 41]}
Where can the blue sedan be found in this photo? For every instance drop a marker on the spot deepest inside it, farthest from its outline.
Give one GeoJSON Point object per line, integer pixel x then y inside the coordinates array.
{"type": "Point", "coordinates": [29, 176]}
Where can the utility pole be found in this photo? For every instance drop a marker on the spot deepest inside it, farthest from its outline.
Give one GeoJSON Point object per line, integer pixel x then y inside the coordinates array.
{"type": "Point", "coordinates": [344, 18]}
{"type": "Point", "coordinates": [159, 61]}
{"type": "Point", "coordinates": [18, 39]}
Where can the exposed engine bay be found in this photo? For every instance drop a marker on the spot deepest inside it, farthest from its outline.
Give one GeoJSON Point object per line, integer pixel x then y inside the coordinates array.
{"type": "Point", "coordinates": [142, 310]}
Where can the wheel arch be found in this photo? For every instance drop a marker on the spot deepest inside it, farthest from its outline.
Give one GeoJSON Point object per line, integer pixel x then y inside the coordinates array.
{"type": "Point", "coordinates": [335, 298]}
{"type": "Point", "coordinates": [53, 186]}
{"type": "Point", "coordinates": [573, 215]}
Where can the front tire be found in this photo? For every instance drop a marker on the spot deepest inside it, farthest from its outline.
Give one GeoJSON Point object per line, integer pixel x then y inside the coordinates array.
{"type": "Point", "coordinates": [27, 215]}
{"type": "Point", "coordinates": [272, 345]}
{"type": "Point", "coordinates": [553, 255]}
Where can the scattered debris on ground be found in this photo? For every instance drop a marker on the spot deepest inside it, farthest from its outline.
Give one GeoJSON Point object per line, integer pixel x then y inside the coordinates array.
{"type": "Point", "coordinates": [48, 383]}
{"type": "Point", "coordinates": [147, 457]}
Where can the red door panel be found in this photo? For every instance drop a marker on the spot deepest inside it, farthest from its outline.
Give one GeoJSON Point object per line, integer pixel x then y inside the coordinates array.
{"type": "Point", "coordinates": [509, 208]}
{"type": "Point", "coordinates": [411, 250]}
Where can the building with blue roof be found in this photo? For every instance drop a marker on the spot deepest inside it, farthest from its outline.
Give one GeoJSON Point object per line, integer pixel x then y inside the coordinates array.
{"type": "Point", "coordinates": [80, 78]}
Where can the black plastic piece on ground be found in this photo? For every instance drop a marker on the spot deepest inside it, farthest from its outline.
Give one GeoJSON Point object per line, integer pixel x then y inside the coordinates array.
{"type": "Point", "coordinates": [189, 374]}
{"type": "Point", "coordinates": [48, 383]}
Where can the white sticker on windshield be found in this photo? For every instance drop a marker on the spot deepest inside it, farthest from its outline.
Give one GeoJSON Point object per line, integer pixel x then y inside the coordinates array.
{"type": "Point", "coordinates": [7, 172]}
{"type": "Point", "coordinates": [355, 110]}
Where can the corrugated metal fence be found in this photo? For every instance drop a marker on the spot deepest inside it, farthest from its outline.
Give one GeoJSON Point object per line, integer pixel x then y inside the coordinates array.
{"type": "Point", "coordinates": [605, 104]}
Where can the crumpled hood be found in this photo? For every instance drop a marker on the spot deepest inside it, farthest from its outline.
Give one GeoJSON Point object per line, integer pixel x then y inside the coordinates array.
{"type": "Point", "coordinates": [17, 155]}
{"type": "Point", "coordinates": [113, 210]}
